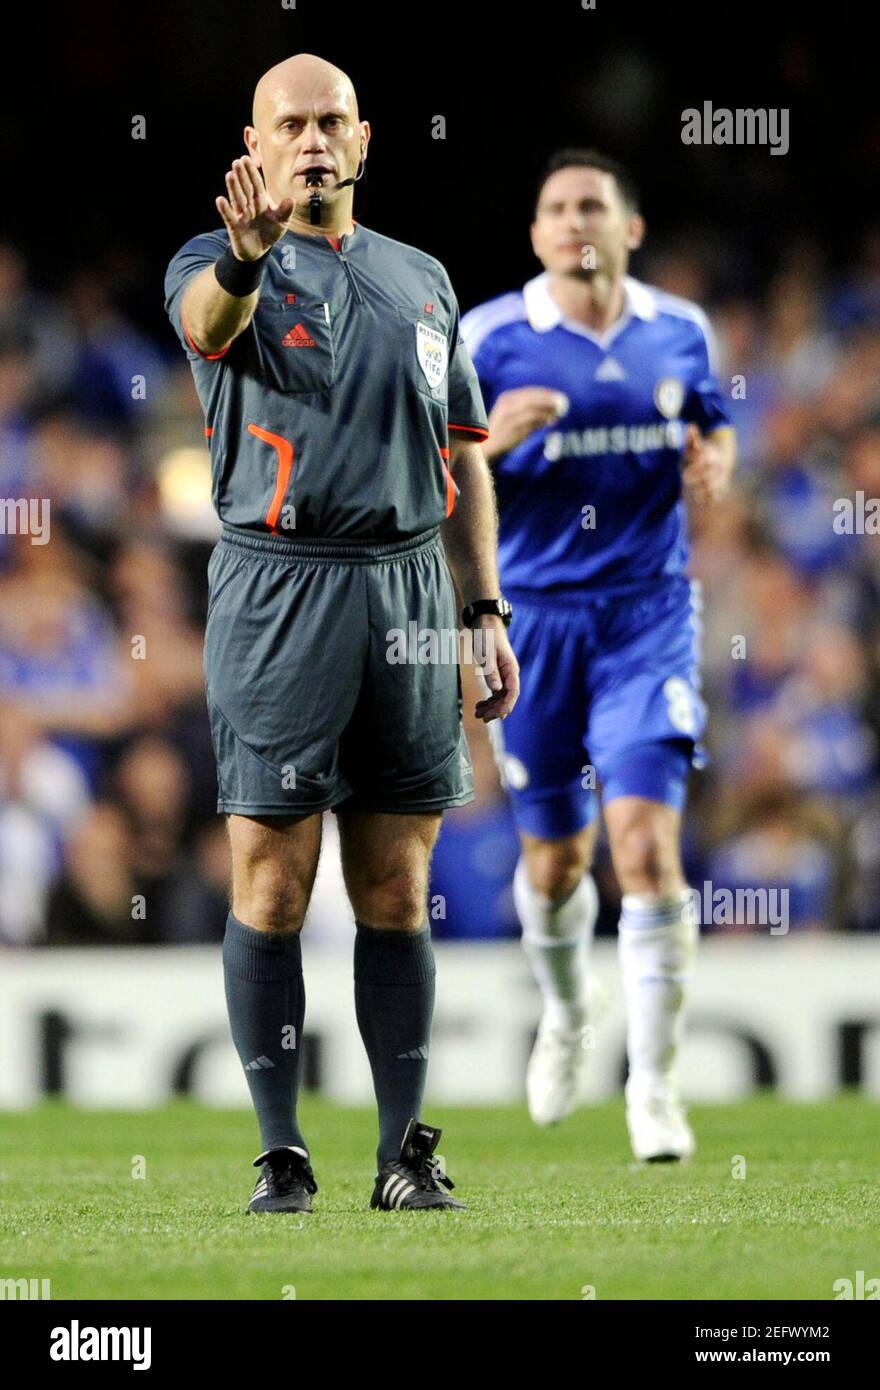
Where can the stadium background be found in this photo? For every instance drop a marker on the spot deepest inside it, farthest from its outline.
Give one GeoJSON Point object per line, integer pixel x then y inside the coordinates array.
{"type": "Point", "coordinates": [106, 775]}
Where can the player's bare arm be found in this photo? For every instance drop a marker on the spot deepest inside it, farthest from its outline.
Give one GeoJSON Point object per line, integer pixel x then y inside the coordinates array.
{"type": "Point", "coordinates": [709, 462]}
{"type": "Point", "coordinates": [470, 539]}
{"type": "Point", "coordinates": [517, 414]}
{"type": "Point", "coordinates": [213, 316]}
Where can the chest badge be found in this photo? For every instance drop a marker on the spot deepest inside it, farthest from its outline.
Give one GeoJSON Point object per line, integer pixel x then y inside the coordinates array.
{"type": "Point", "coordinates": [669, 397]}
{"type": "Point", "coordinates": [297, 337]}
{"type": "Point", "coordinates": [431, 350]}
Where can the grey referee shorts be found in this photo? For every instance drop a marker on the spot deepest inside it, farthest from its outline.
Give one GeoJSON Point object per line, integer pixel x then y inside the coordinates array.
{"type": "Point", "coordinates": [307, 710]}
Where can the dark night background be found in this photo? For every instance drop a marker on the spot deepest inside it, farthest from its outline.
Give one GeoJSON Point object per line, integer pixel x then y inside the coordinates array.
{"type": "Point", "coordinates": [513, 82]}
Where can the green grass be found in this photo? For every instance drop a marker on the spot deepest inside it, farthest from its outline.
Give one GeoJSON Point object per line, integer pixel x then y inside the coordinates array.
{"type": "Point", "coordinates": [549, 1210]}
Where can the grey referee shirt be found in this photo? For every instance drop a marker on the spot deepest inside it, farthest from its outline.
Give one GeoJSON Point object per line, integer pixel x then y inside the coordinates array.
{"type": "Point", "coordinates": [328, 415]}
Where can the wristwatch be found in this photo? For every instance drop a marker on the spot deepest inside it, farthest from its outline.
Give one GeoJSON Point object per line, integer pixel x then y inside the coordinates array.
{"type": "Point", "coordinates": [499, 606]}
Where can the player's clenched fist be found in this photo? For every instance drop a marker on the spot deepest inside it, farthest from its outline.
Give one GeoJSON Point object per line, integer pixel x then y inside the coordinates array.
{"type": "Point", "coordinates": [251, 221]}
{"type": "Point", "coordinates": [517, 414]}
{"type": "Point", "coordinates": [708, 464]}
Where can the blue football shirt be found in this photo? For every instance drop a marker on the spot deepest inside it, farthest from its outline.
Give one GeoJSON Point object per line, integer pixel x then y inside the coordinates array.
{"type": "Point", "coordinates": [595, 500]}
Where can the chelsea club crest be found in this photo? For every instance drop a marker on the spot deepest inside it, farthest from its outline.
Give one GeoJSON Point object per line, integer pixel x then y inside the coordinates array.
{"type": "Point", "coordinates": [669, 397]}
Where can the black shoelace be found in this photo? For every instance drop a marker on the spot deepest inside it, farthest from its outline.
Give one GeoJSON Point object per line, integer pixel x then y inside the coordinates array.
{"type": "Point", "coordinates": [427, 1174]}
{"type": "Point", "coordinates": [291, 1173]}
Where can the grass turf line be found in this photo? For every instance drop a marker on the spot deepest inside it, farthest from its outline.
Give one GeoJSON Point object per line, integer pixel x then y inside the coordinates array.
{"type": "Point", "coordinates": [550, 1211]}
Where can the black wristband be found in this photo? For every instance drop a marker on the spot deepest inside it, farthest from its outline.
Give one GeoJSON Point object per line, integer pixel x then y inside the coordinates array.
{"type": "Point", "coordinates": [237, 277]}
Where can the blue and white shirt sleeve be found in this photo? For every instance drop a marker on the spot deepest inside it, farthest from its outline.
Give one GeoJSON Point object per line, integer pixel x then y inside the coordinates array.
{"type": "Point", "coordinates": [704, 404]}
{"type": "Point", "coordinates": [479, 346]}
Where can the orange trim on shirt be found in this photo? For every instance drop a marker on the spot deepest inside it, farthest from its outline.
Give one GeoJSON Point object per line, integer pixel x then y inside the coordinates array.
{"type": "Point", "coordinates": [451, 490]}
{"type": "Point", "coordinates": [209, 430]}
{"type": "Point", "coordinates": [470, 429]}
{"type": "Point", "coordinates": [284, 450]}
{"type": "Point", "coordinates": [208, 356]}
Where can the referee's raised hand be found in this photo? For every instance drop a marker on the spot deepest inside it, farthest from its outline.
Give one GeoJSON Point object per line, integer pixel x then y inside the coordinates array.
{"type": "Point", "coordinates": [251, 221]}
{"type": "Point", "coordinates": [220, 300]}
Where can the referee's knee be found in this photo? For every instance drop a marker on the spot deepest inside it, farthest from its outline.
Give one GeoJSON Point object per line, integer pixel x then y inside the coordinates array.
{"type": "Point", "coordinates": [398, 903]}
{"type": "Point", "coordinates": [270, 905]}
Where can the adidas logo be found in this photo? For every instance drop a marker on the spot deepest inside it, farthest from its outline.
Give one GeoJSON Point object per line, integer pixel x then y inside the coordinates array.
{"type": "Point", "coordinates": [418, 1054]}
{"type": "Point", "coordinates": [259, 1064]}
{"type": "Point", "coordinates": [609, 370]}
{"type": "Point", "coordinates": [298, 336]}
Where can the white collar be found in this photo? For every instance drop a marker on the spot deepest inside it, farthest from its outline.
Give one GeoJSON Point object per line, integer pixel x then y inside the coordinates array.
{"type": "Point", "coordinates": [544, 313]}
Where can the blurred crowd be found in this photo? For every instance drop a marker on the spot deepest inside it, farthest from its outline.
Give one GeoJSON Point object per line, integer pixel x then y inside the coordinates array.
{"type": "Point", "coordinates": [108, 823]}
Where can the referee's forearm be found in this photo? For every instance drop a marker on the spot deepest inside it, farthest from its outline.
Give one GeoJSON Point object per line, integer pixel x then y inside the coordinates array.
{"type": "Point", "coordinates": [470, 535]}
{"type": "Point", "coordinates": [212, 317]}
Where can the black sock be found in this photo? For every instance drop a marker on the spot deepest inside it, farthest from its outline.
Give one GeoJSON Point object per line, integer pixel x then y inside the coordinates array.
{"type": "Point", "coordinates": [394, 1002]}
{"type": "Point", "coordinates": [267, 1003]}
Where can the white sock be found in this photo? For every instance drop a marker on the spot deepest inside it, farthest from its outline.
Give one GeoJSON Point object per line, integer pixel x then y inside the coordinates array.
{"type": "Point", "coordinates": [656, 946]}
{"type": "Point", "coordinates": [556, 938]}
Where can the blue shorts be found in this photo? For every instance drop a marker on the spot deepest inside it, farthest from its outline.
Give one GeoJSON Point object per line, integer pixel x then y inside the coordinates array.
{"type": "Point", "coordinates": [610, 702]}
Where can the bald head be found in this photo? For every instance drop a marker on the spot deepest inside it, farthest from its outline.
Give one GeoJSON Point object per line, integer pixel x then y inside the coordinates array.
{"type": "Point", "coordinates": [299, 80]}
{"type": "Point", "coordinates": [306, 126]}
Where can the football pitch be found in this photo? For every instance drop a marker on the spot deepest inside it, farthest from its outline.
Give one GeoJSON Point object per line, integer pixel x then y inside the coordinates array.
{"type": "Point", "coordinates": [553, 1214]}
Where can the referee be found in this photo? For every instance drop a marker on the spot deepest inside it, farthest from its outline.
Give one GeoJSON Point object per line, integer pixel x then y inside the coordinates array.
{"type": "Point", "coordinates": [344, 420]}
